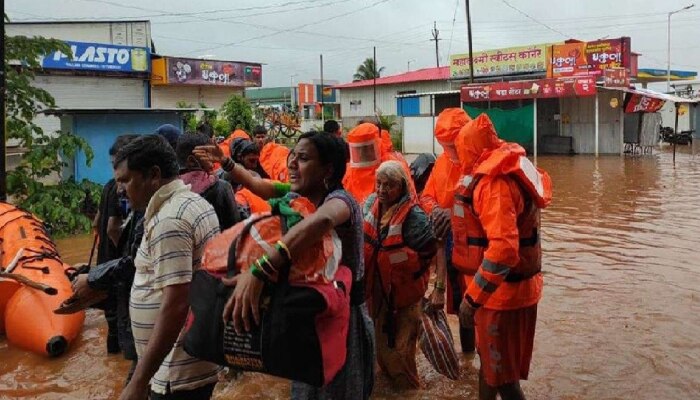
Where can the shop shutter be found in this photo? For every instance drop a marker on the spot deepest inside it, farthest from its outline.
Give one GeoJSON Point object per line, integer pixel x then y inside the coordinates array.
{"type": "Point", "coordinates": [94, 92]}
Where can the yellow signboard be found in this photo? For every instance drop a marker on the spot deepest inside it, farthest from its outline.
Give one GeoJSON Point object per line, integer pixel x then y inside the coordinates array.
{"type": "Point", "coordinates": [508, 61]}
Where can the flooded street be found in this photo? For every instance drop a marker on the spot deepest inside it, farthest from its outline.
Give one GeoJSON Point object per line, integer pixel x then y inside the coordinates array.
{"type": "Point", "coordinates": [619, 319]}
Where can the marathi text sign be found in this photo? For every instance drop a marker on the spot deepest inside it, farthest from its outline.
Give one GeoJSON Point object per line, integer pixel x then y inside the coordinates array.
{"type": "Point", "coordinates": [588, 58]}
{"type": "Point", "coordinates": [508, 61]}
{"type": "Point", "coordinates": [539, 89]}
{"type": "Point", "coordinates": [640, 103]}
{"type": "Point", "coordinates": [188, 71]}
{"type": "Point", "coordinates": [100, 57]}
{"type": "Point", "coordinates": [616, 78]}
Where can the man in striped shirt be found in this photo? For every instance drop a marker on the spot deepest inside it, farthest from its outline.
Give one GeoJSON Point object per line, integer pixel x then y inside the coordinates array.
{"type": "Point", "coordinates": [177, 224]}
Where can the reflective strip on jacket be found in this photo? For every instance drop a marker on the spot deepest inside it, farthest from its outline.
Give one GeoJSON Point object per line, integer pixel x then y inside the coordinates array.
{"type": "Point", "coordinates": [497, 241]}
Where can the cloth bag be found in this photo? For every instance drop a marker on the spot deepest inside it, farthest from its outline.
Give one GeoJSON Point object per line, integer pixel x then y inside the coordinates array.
{"type": "Point", "coordinates": [436, 341]}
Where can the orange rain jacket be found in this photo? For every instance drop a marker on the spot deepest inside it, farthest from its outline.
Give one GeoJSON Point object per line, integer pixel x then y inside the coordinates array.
{"type": "Point", "coordinates": [367, 151]}
{"type": "Point", "coordinates": [273, 159]}
{"type": "Point", "coordinates": [440, 187]}
{"type": "Point", "coordinates": [225, 144]}
{"type": "Point", "coordinates": [507, 192]}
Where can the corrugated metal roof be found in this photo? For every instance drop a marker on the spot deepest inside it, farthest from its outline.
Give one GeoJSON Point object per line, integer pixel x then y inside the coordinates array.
{"type": "Point", "coordinates": [419, 75]}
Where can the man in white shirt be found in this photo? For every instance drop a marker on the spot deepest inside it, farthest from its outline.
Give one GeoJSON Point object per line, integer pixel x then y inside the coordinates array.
{"type": "Point", "coordinates": [177, 224]}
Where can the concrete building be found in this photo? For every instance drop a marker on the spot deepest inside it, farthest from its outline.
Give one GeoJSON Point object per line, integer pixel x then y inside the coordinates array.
{"type": "Point", "coordinates": [101, 126]}
{"type": "Point", "coordinates": [194, 81]}
{"type": "Point", "coordinates": [357, 99]}
{"type": "Point", "coordinates": [274, 96]}
{"type": "Point", "coordinates": [110, 65]}
{"type": "Point", "coordinates": [310, 97]}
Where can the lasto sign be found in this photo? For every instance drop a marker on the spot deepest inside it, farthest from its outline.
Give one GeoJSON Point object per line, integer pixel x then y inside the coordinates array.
{"type": "Point", "coordinates": [100, 57]}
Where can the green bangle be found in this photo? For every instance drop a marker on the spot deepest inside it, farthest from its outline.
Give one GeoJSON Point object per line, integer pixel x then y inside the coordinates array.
{"type": "Point", "coordinates": [266, 266]}
{"type": "Point", "coordinates": [258, 273]}
{"type": "Point", "coordinates": [440, 286]}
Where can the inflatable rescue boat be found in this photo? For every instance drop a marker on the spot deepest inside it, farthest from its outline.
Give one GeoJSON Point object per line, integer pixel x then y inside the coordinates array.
{"type": "Point", "coordinates": [33, 283]}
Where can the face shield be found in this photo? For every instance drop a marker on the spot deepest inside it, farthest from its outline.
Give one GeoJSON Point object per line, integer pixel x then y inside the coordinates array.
{"type": "Point", "coordinates": [364, 154]}
{"type": "Point", "coordinates": [451, 150]}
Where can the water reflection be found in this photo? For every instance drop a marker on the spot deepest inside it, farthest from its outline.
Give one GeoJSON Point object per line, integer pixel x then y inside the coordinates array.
{"type": "Point", "coordinates": [619, 318]}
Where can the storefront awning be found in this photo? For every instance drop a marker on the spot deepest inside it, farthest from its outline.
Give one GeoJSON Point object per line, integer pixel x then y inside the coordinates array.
{"type": "Point", "coordinates": [648, 101]}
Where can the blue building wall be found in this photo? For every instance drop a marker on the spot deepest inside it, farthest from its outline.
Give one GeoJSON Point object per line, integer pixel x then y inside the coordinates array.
{"type": "Point", "coordinates": [100, 131]}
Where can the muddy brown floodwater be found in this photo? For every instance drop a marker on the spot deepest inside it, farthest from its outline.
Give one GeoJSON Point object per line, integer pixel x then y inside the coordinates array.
{"type": "Point", "coordinates": [620, 318]}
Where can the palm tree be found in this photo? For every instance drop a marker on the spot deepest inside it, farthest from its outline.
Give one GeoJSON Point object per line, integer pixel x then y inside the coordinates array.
{"type": "Point", "coordinates": [367, 70]}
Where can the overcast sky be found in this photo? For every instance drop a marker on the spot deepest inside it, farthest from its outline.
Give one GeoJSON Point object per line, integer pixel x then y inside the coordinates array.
{"type": "Point", "coordinates": [289, 35]}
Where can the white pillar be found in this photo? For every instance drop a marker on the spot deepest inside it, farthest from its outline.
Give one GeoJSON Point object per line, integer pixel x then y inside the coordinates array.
{"type": "Point", "coordinates": [622, 124]}
{"type": "Point", "coordinates": [597, 128]}
{"type": "Point", "coordinates": [534, 129]}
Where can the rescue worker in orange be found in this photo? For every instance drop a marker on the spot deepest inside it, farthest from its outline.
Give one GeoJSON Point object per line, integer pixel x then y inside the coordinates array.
{"type": "Point", "coordinates": [273, 156]}
{"type": "Point", "coordinates": [495, 221]}
{"type": "Point", "coordinates": [437, 199]}
{"type": "Point", "coordinates": [225, 145]}
{"type": "Point", "coordinates": [399, 246]}
{"type": "Point", "coordinates": [247, 154]}
{"type": "Point", "coordinates": [367, 150]}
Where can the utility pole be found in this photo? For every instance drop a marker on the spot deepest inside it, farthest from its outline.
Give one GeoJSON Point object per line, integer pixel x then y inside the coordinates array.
{"type": "Point", "coordinates": [3, 148]}
{"type": "Point", "coordinates": [292, 92]}
{"type": "Point", "coordinates": [323, 118]}
{"type": "Point", "coordinates": [668, 49]}
{"type": "Point", "coordinates": [469, 38]}
{"type": "Point", "coordinates": [374, 85]}
{"type": "Point", "coordinates": [436, 39]}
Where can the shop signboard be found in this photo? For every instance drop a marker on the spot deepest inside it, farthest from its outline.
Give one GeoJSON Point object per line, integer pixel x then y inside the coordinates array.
{"type": "Point", "coordinates": [188, 71]}
{"type": "Point", "coordinates": [99, 57]}
{"type": "Point", "coordinates": [538, 89]}
{"type": "Point", "coordinates": [616, 78]}
{"type": "Point", "coordinates": [638, 103]}
{"type": "Point", "coordinates": [589, 58]}
{"type": "Point", "coordinates": [500, 62]}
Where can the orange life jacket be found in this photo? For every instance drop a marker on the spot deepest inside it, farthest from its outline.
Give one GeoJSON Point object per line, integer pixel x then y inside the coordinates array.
{"type": "Point", "coordinates": [318, 263]}
{"type": "Point", "coordinates": [470, 239]}
{"type": "Point", "coordinates": [255, 204]}
{"type": "Point", "coordinates": [523, 282]}
{"type": "Point", "coordinates": [389, 259]}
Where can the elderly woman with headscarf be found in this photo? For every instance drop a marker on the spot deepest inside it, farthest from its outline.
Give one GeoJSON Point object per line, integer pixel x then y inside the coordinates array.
{"type": "Point", "coordinates": [399, 245]}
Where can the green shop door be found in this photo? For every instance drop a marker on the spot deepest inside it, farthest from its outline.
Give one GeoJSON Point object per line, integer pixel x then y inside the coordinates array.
{"type": "Point", "coordinates": [513, 120]}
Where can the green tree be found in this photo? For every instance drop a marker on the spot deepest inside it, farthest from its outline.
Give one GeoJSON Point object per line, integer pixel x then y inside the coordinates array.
{"type": "Point", "coordinates": [190, 118]}
{"type": "Point", "coordinates": [238, 112]}
{"type": "Point", "coordinates": [367, 70]}
{"type": "Point", "coordinates": [63, 205]}
{"type": "Point", "coordinates": [221, 126]}
{"type": "Point", "coordinates": [389, 123]}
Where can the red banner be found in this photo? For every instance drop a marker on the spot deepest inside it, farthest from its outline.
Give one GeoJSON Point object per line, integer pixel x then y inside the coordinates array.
{"type": "Point", "coordinates": [589, 58]}
{"type": "Point", "coordinates": [644, 104]}
{"type": "Point", "coordinates": [540, 89]}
